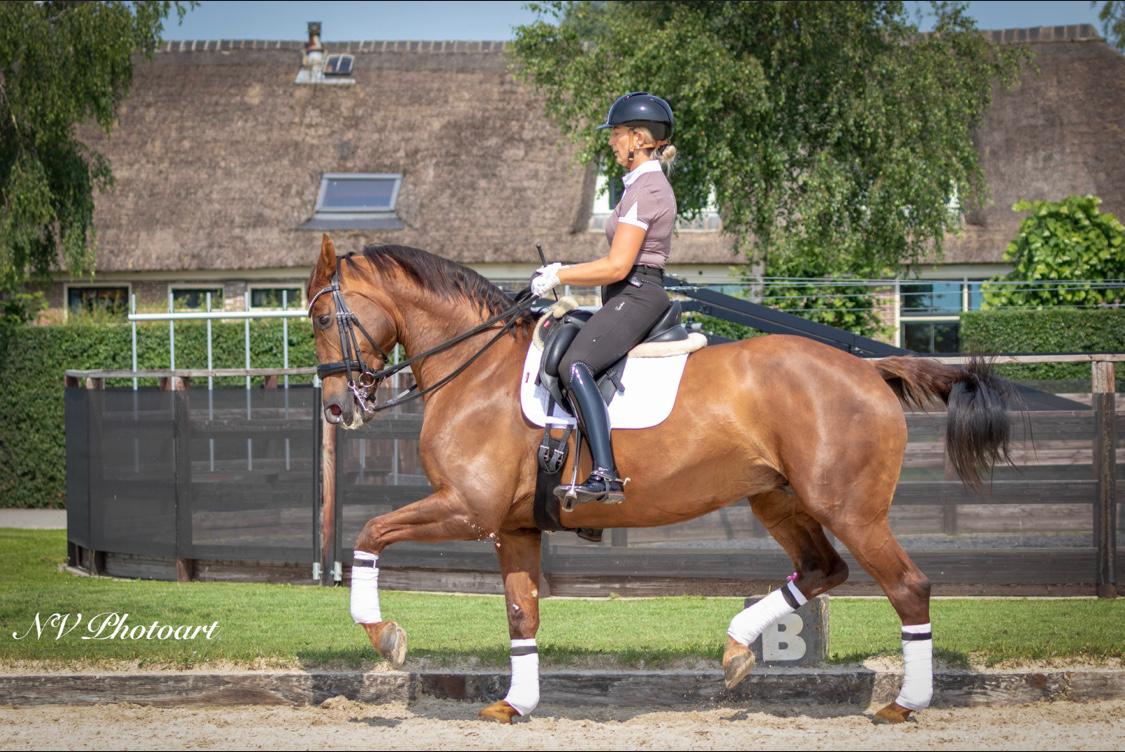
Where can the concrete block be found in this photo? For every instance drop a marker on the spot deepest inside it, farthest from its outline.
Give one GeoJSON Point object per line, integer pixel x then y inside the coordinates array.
{"type": "Point", "coordinates": [799, 639]}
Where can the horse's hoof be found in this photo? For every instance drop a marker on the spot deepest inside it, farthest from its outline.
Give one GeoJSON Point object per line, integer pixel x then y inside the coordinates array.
{"type": "Point", "coordinates": [499, 711]}
{"type": "Point", "coordinates": [738, 662]}
{"type": "Point", "coordinates": [389, 639]}
{"type": "Point", "coordinates": [893, 713]}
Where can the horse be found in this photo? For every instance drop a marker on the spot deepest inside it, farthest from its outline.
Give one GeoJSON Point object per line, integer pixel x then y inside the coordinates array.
{"type": "Point", "coordinates": [813, 437]}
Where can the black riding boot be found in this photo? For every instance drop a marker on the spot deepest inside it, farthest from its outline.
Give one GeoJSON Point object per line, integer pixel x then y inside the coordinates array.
{"type": "Point", "coordinates": [593, 418]}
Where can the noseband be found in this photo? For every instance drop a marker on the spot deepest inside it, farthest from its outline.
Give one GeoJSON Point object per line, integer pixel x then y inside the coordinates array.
{"type": "Point", "coordinates": [365, 386]}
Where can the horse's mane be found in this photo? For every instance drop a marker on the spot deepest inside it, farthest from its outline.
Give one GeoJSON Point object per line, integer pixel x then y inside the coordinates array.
{"type": "Point", "coordinates": [445, 278]}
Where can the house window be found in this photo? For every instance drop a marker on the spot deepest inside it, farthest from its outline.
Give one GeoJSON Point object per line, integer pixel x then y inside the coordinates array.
{"type": "Point", "coordinates": [339, 65]}
{"type": "Point", "coordinates": [356, 201]}
{"type": "Point", "coordinates": [271, 297]}
{"type": "Point", "coordinates": [931, 336]}
{"type": "Point", "coordinates": [931, 298]}
{"type": "Point", "coordinates": [357, 193]}
{"type": "Point", "coordinates": [109, 299]}
{"type": "Point", "coordinates": [930, 313]}
{"type": "Point", "coordinates": [195, 298]}
{"type": "Point", "coordinates": [607, 192]}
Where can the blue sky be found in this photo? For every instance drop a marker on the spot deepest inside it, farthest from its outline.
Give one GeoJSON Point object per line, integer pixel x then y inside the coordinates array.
{"type": "Point", "coordinates": [234, 19]}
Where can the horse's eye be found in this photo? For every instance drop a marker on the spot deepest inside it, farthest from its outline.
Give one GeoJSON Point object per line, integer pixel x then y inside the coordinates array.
{"type": "Point", "coordinates": [324, 320]}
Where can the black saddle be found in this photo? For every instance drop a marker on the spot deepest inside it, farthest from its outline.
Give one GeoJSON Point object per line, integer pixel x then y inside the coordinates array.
{"type": "Point", "coordinates": [558, 334]}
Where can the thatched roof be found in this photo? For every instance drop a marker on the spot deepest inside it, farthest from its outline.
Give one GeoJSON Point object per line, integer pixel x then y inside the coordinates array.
{"type": "Point", "coordinates": [1061, 131]}
{"type": "Point", "coordinates": [218, 154]}
{"type": "Point", "coordinates": [218, 157]}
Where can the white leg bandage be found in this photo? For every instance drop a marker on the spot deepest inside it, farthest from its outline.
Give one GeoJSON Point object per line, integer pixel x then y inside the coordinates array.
{"type": "Point", "coordinates": [365, 588]}
{"type": "Point", "coordinates": [918, 667]}
{"type": "Point", "coordinates": [748, 625]}
{"type": "Point", "coordinates": [524, 693]}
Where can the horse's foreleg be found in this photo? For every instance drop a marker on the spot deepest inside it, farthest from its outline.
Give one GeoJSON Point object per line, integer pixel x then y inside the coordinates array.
{"type": "Point", "coordinates": [440, 516]}
{"type": "Point", "coordinates": [518, 552]}
{"type": "Point", "coordinates": [819, 568]}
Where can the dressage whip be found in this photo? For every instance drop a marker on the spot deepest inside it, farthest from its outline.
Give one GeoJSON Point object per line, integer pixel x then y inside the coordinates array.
{"type": "Point", "coordinates": [543, 258]}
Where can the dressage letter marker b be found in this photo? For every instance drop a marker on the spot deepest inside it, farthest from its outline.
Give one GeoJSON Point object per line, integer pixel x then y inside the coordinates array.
{"type": "Point", "coordinates": [782, 641]}
{"type": "Point", "coordinates": [797, 639]}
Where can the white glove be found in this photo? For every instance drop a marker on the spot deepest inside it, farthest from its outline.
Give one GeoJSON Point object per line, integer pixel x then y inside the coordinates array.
{"type": "Point", "coordinates": [546, 279]}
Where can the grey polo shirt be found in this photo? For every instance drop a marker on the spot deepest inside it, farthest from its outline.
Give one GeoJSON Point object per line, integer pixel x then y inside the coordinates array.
{"type": "Point", "coordinates": [648, 203]}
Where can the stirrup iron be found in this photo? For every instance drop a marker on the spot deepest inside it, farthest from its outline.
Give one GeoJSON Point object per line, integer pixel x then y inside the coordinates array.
{"type": "Point", "coordinates": [572, 497]}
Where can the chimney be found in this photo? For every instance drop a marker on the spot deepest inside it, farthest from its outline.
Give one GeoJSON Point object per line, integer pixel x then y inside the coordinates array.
{"type": "Point", "coordinates": [313, 58]}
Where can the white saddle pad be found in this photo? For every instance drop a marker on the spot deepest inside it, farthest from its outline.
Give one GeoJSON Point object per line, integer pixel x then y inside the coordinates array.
{"type": "Point", "coordinates": [650, 392]}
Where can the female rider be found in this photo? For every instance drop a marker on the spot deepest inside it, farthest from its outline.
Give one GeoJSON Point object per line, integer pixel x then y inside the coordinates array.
{"type": "Point", "coordinates": [640, 236]}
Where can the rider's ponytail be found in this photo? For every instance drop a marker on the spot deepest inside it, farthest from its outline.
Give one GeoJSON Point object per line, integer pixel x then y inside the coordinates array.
{"type": "Point", "coordinates": [666, 153]}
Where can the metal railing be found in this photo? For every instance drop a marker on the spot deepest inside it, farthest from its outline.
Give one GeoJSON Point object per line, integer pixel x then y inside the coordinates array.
{"type": "Point", "coordinates": [209, 315]}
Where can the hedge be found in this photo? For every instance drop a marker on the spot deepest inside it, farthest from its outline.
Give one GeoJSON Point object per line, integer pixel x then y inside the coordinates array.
{"type": "Point", "coordinates": [33, 361]}
{"type": "Point", "coordinates": [1048, 330]}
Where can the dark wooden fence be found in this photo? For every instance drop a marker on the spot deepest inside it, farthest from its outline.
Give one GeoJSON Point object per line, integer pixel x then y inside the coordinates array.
{"type": "Point", "coordinates": [252, 484]}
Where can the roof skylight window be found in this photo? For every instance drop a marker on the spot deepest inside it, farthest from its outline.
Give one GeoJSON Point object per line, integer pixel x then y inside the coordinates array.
{"type": "Point", "coordinates": [339, 65]}
{"type": "Point", "coordinates": [359, 201]}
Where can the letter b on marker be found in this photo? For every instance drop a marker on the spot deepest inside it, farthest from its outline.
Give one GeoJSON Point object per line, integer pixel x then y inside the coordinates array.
{"type": "Point", "coordinates": [783, 641]}
{"type": "Point", "coordinates": [796, 639]}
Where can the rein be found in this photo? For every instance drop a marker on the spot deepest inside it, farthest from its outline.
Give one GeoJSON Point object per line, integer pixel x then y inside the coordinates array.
{"type": "Point", "coordinates": [364, 388]}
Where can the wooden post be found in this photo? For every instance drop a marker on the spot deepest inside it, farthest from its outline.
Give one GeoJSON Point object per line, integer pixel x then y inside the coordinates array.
{"type": "Point", "coordinates": [1105, 458]}
{"type": "Point", "coordinates": [327, 500]}
{"type": "Point", "coordinates": [97, 562]}
{"type": "Point", "coordinates": [948, 508]}
{"type": "Point", "coordinates": [95, 388]}
{"type": "Point", "coordinates": [181, 432]}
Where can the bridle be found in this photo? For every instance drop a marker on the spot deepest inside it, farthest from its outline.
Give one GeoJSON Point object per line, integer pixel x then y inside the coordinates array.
{"type": "Point", "coordinates": [364, 386]}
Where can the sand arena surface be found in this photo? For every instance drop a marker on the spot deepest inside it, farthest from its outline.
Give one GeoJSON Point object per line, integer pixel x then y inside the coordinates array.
{"type": "Point", "coordinates": [437, 724]}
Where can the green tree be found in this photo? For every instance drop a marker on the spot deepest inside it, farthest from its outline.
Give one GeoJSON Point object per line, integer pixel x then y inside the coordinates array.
{"type": "Point", "coordinates": [830, 297]}
{"type": "Point", "coordinates": [62, 64]}
{"type": "Point", "coordinates": [833, 134]}
{"type": "Point", "coordinates": [1067, 241]}
{"type": "Point", "coordinates": [1112, 16]}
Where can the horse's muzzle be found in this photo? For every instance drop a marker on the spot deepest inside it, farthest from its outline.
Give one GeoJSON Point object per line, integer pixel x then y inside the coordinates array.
{"type": "Point", "coordinates": [339, 410]}
{"type": "Point", "coordinates": [345, 412]}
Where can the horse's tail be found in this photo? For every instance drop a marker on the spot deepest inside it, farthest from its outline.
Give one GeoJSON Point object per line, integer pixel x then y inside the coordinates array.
{"type": "Point", "coordinates": [978, 430]}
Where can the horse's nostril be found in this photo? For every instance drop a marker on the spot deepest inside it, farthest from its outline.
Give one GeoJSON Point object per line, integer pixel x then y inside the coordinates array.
{"type": "Point", "coordinates": [335, 410]}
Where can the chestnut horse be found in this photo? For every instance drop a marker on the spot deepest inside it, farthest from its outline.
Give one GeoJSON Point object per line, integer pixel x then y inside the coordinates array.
{"type": "Point", "coordinates": [811, 436]}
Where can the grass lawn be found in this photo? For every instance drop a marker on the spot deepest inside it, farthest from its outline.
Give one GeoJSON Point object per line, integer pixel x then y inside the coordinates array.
{"type": "Point", "coordinates": [298, 625]}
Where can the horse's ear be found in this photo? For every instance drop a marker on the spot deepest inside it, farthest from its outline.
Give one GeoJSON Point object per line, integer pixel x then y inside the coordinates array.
{"type": "Point", "coordinates": [326, 264]}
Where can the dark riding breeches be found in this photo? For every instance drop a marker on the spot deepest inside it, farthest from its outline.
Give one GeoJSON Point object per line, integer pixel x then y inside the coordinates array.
{"type": "Point", "coordinates": [627, 314]}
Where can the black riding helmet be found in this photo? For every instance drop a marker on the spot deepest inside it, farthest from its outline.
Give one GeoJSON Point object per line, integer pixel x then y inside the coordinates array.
{"type": "Point", "coordinates": [639, 108]}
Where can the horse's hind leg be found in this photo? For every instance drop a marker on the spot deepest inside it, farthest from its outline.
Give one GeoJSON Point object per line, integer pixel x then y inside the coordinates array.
{"type": "Point", "coordinates": [819, 569]}
{"type": "Point", "coordinates": [875, 548]}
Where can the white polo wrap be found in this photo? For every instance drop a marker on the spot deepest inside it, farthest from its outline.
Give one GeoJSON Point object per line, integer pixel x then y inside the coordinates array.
{"type": "Point", "coordinates": [524, 692]}
{"type": "Point", "coordinates": [918, 667]}
{"type": "Point", "coordinates": [365, 588]}
{"type": "Point", "coordinates": [749, 624]}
